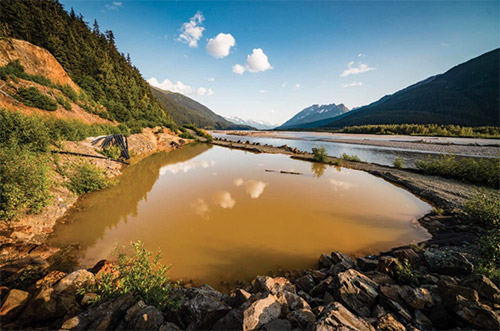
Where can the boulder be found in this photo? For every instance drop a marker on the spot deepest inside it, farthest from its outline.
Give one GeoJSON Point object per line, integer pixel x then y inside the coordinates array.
{"type": "Point", "coordinates": [448, 262]}
{"type": "Point", "coordinates": [357, 291]}
{"type": "Point", "coordinates": [302, 318]}
{"type": "Point", "coordinates": [421, 321]}
{"type": "Point", "coordinates": [169, 326]}
{"type": "Point", "coordinates": [305, 283]}
{"type": "Point", "coordinates": [392, 292]}
{"type": "Point", "coordinates": [325, 261]}
{"type": "Point", "coordinates": [240, 296]}
{"type": "Point", "coordinates": [271, 285]}
{"type": "Point", "coordinates": [206, 308]}
{"type": "Point", "coordinates": [50, 279]}
{"type": "Point", "coordinates": [484, 286]}
{"type": "Point", "coordinates": [417, 298]}
{"type": "Point", "coordinates": [322, 287]}
{"type": "Point", "coordinates": [389, 323]}
{"type": "Point", "coordinates": [387, 265]}
{"type": "Point", "coordinates": [13, 305]}
{"type": "Point", "coordinates": [338, 257]}
{"type": "Point", "coordinates": [261, 312]}
{"type": "Point", "coordinates": [149, 318]}
{"type": "Point", "coordinates": [292, 301]}
{"type": "Point", "coordinates": [337, 317]}
{"type": "Point", "coordinates": [407, 254]}
{"type": "Point", "coordinates": [74, 281]}
{"type": "Point", "coordinates": [232, 321]}
{"type": "Point", "coordinates": [452, 294]}
{"type": "Point", "coordinates": [366, 264]}
{"type": "Point", "coordinates": [42, 306]}
{"type": "Point", "coordinates": [395, 307]}
{"type": "Point", "coordinates": [277, 325]}
{"type": "Point", "coordinates": [479, 315]}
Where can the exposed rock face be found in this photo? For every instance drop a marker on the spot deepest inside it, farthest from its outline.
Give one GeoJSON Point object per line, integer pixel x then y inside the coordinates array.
{"type": "Point", "coordinates": [13, 305]}
{"type": "Point", "coordinates": [484, 286]}
{"type": "Point", "coordinates": [447, 262]}
{"type": "Point", "coordinates": [335, 316]}
{"type": "Point", "coordinates": [206, 307]}
{"type": "Point", "coordinates": [261, 312]}
{"type": "Point", "coordinates": [357, 291]}
{"type": "Point", "coordinates": [272, 285]}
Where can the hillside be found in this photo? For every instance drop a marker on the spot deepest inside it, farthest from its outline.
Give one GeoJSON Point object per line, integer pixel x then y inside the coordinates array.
{"type": "Point", "coordinates": [185, 110]}
{"type": "Point", "coordinates": [314, 113]}
{"type": "Point", "coordinates": [90, 57]}
{"type": "Point", "coordinates": [466, 95]}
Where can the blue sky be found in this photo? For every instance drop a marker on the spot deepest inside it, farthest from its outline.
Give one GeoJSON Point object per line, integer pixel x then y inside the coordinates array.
{"type": "Point", "coordinates": [350, 52]}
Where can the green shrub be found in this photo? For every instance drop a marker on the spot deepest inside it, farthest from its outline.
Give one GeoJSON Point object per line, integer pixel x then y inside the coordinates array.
{"type": "Point", "coordinates": [140, 274]}
{"type": "Point", "coordinates": [15, 70]}
{"type": "Point", "coordinates": [29, 132]}
{"type": "Point", "coordinates": [69, 92]}
{"type": "Point", "coordinates": [86, 178]}
{"type": "Point", "coordinates": [353, 158]}
{"type": "Point", "coordinates": [478, 171]}
{"type": "Point", "coordinates": [32, 97]}
{"type": "Point", "coordinates": [319, 154]}
{"type": "Point", "coordinates": [63, 102]}
{"type": "Point", "coordinates": [112, 152]}
{"type": "Point", "coordinates": [404, 273]}
{"type": "Point", "coordinates": [25, 181]}
{"type": "Point", "coordinates": [399, 163]}
{"type": "Point", "coordinates": [186, 135]}
{"type": "Point", "coordinates": [484, 208]}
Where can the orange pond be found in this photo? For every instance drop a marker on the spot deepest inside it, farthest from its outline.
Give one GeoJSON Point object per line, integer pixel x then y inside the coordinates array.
{"type": "Point", "coordinates": [219, 216]}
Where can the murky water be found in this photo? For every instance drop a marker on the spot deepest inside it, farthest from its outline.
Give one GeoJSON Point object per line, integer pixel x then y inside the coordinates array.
{"type": "Point", "coordinates": [225, 215]}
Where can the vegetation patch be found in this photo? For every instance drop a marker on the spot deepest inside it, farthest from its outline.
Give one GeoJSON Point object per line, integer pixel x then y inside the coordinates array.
{"type": "Point", "coordinates": [112, 152]}
{"type": "Point", "coordinates": [86, 178]}
{"type": "Point", "coordinates": [404, 273]}
{"type": "Point", "coordinates": [140, 274]}
{"type": "Point", "coordinates": [399, 163]}
{"type": "Point", "coordinates": [319, 154]}
{"type": "Point", "coordinates": [484, 208]}
{"type": "Point", "coordinates": [32, 97]}
{"type": "Point", "coordinates": [478, 171]}
{"type": "Point", "coordinates": [426, 130]}
{"type": "Point", "coordinates": [353, 158]}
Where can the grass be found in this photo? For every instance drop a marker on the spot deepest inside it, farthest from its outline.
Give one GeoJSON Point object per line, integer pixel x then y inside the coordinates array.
{"type": "Point", "coordinates": [112, 152]}
{"type": "Point", "coordinates": [484, 208]}
{"type": "Point", "coordinates": [86, 178]}
{"type": "Point", "coordinates": [140, 274]}
{"type": "Point", "coordinates": [319, 154]}
{"type": "Point", "coordinates": [353, 158]}
{"type": "Point", "coordinates": [477, 171]}
{"type": "Point", "coordinates": [399, 163]}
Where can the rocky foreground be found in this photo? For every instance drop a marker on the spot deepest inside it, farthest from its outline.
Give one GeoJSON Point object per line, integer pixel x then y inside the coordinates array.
{"type": "Point", "coordinates": [343, 293]}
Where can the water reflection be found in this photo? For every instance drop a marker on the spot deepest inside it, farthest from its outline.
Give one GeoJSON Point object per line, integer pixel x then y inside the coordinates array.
{"type": "Point", "coordinates": [318, 169]}
{"type": "Point", "coordinates": [244, 221]}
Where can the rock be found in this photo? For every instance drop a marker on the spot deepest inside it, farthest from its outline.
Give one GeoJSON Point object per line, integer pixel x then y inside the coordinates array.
{"type": "Point", "coordinates": [50, 279]}
{"type": "Point", "coordinates": [393, 306]}
{"type": "Point", "coordinates": [261, 312]}
{"type": "Point", "coordinates": [407, 254]}
{"type": "Point", "coordinates": [169, 326]}
{"type": "Point", "coordinates": [392, 292]}
{"type": "Point", "coordinates": [232, 321]}
{"type": "Point", "coordinates": [421, 321]}
{"type": "Point", "coordinates": [479, 316]}
{"type": "Point", "coordinates": [325, 261]}
{"type": "Point", "coordinates": [357, 291]}
{"type": "Point", "coordinates": [89, 298]}
{"type": "Point", "coordinates": [277, 325]}
{"type": "Point", "coordinates": [4, 290]}
{"type": "Point", "coordinates": [322, 287]}
{"type": "Point", "coordinates": [336, 317]}
{"type": "Point", "coordinates": [417, 298]}
{"type": "Point", "coordinates": [366, 264]}
{"type": "Point", "coordinates": [378, 311]}
{"type": "Point", "coordinates": [318, 275]}
{"type": "Point", "coordinates": [484, 286]}
{"type": "Point", "coordinates": [240, 296]}
{"type": "Point", "coordinates": [292, 301]}
{"type": "Point", "coordinates": [305, 283]}
{"type": "Point", "coordinates": [380, 278]}
{"type": "Point", "coordinates": [302, 318]}
{"type": "Point", "coordinates": [447, 261]}
{"type": "Point", "coordinates": [74, 281]}
{"type": "Point", "coordinates": [107, 315]}
{"type": "Point", "coordinates": [338, 257]}
{"type": "Point", "coordinates": [441, 318]}
{"type": "Point", "coordinates": [387, 265]}
{"type": "Point", "coordinates": [454, 294]}
{"type": "Point", "coordinates": [389, 323]}
{"type": "Point", "coordinates": [271, 285]}
{"type": "Point", "coordinates": [42, 306]}
{"type": "Point", "coordinates": [206, 307]}
{"type": "Point", "coordinates": [328, 298]}
{"type": "Point", "coordinates": [14, 304]}
{"type": "Point", "coordinates": [148, 318]}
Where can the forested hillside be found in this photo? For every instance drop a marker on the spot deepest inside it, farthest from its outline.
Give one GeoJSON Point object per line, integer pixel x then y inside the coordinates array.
{"type": "Point", "coordinates": [89, 56]}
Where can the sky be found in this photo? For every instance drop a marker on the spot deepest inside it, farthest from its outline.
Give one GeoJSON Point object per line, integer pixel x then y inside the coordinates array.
{"type": "Point", "coordinates": [267, 60]}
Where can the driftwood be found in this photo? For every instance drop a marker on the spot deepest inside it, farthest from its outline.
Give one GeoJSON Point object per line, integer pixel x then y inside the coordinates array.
{"type": "Point", "coordinates": [114, 140]}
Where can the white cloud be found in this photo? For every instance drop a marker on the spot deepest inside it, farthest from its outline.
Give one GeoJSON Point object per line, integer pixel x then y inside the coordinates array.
{"type": "Point", "coordinates": [256, 62]}
{"type": "Point", "coordinates": [352, 70]}
{"type": "Point", "coordinates": [297, 86]}
{"type": "Point", "coordinates": [180, 87]}
{"type": "Point", "coordinates": [238, 69]}
{"type": "Point", "coordinates": [115, 5]}
{"type": "Point", "coordinates": [211, 79]}
{"type": "Point", "coordinates": [201, 208]}
{"type": "Point", "coordinates": [238, 181]}
{"type": "Point", "coordinates": [339, 185]}
{"type": "Point", "coordinates": [192, 31]}
{"type": "Point", "coordinates": [253, 187]}
{"type": "Point", "coordinates": [220, 46]}
{"type": "Point", "coordinates": [262, 91]}
{"type": "Point", "coordinates": [361, 55]}
{"type": "Point", "coordinates": [224, 199]}
{"type": "Point", "coordinates": [353, 84]}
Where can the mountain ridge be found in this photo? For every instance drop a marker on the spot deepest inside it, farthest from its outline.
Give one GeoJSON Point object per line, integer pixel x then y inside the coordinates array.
{"type": "Point", "coordinates": [314, 113]}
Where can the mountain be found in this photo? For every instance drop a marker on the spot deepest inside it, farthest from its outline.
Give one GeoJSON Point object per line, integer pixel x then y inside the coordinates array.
{"type": "Point", "coordinates": [467, 95]}
{"type": "Point", "coordinates": [185, 110]}
{"type": "Point", "coordinates": [314, 113]}
{"type": "Point", "coordinates": [90, 58]}
{"type": "Point", "coordinates": [260, 125]}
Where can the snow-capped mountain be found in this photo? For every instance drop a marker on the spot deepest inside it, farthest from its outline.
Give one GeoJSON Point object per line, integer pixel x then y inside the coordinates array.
{"type": "Point", "coordinates": [315, 113]}
{"type": "Point", "coordinates": [258, 124]}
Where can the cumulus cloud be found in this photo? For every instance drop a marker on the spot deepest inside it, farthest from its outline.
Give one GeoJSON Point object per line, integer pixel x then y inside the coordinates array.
{"type": "Point", "coordinates": [354, 70]}
{"type": "Point", "coordinates": [361, 55]}
{"type": "Point", "coordinates": [353, 84]}
{"type": "Point", "coordinates": [224, 199]}
{"type": "Point", "coordinates": [339, 185]}
{"type": "Point", "coordinates": [180, 87]}
{"type": "Point", "coordinates": [220, 46]}
{"type": "Point", "coordinates": [192, 31]}
{"type": "Point", "coordinates": [253, 187]}
{"type": "Point", "coordinates": [238, 69]}
{"type": "Point", "coordinates": [187, 166]}
{"type": "Point", "coordinates": [115, 5]}
{"type": "Point", "coordinates": [256, 62]}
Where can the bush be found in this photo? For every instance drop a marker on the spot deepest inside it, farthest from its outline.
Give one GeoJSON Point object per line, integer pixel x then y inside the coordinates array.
{"type": "Point", "coordinates": [112, 152]}
{"type": "Point", "coordinates": [140, 274]}
{"type": "Point", "coordinates": [63, 102]}
{"type": "Point", "coordinates": [69, 92]}
{"type": "Point", "coordinates": [353, 158]}
{"type": "Point", "coordinates": [33, 98]}
{"type": "Point", "coordinates": [399, 163]}
{"type": "Point", "coordinates": [426, 130]}
{"type": "Point", "coordinates": [29, 132]}
{"type": "Point", "coordinates": [478, 171]}
{"type": "Point", "coordinates": [319, 154]}
{"type": "Point", "coordinates": [484, 208]}
{"type": "Point", "coordinates": [404, 273]}
{"type": "Point", "coordinates": [25, 181]}
{"type": "Point", "coordinates": [87, 178]}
